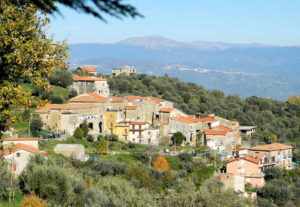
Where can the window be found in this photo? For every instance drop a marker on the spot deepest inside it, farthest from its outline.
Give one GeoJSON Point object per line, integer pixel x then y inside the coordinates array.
{"type": "Point", "coordinates": [18, 154]}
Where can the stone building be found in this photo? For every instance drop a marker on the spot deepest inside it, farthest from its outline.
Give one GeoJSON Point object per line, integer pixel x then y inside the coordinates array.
{"type": "Point", "coordinates": [91, 84]}
{"type": "Point", "coordinates": [232, 181]}
{"type": "Point", "coordinates": [124, 70]}
{"type": "Point", "coordinates": [65, 118]}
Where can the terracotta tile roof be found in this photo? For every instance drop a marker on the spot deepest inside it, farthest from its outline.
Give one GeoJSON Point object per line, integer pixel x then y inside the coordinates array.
{"type": "Point", "coordinates": [166, 110]}
{"type": "Point", "coordinates": [133, 98]}
{"type": "Point", "coordinates": [271, 147]}
{"type": "Point", "coordinates": [20, 138]}
{"type": "Point", "coordinates": [187, 120]}
{"type": "Point", "coordinates": [88, 78]}
{"type": "Point", "coordinates": [223, 128]}
{"type": "Point", "coordinates": [89, 69]}
{"type": "Point", "coordinates": [148, 98]}
{"type": "Point", "coordinates": [66, 106]}
{"type": "Point", "coordinates": [239, 149]}
{"type": "Point", "coordinates": [17, 147]}
{"type": "Point", "coordinates": [255, 158]}
{"type": "Point", "coordinates": [116, 99]}
{"type": "Point", "coordinates": [153, 99]}
{"type": "Point", "coordinates": [89, 97]}
{"type": "Point", "coordinates": [215, 132]}
{"type": "Point", "coordinates": [130, 107]}
{"type": "Point", "coordinates": [164, 123]}
{"type": "Point", "coordinates": [137, 123]}
{"type": "Point", "coordinates": [206, 119]}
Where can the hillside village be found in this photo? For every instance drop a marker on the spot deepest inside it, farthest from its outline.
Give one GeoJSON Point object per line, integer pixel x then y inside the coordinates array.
{"type": "Point", "coordinates": [151, 121]}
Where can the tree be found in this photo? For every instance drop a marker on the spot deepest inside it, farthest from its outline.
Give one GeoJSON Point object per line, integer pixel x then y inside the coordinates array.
{"type": "Point", "coordinates": [161, 163]}
{"type": "Point", "coordinates": [35, 126]}
{"type": "Point", "coordinates": [273, 173]}
{"type": "Point", "coordinates": [276, 190]}
{"type": "Point", "coordinates": [102, 146]}
{"type": "Point", "coordinates": [8, 183]}
{"type": "Point", "coordinates": [61, 78]}
{"type": "Point", "coordinates": [114, 8]}
{"type": "Point", "coordinates": [293, 100]}
{"type": "Point", "coordinates": [26, 55]}
{"type": "Point", "coordinates": [78, 133]}
{"type": "Point", "coordinates": [178, 138]}
{"type": "Point", "coordinates": [85, 128]}
{"type": "Point", "coordinates": [32, 200]}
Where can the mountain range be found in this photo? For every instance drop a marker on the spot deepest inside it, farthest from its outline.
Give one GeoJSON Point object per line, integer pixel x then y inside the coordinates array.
{"type": "Point", "coordinates": [247, 69]}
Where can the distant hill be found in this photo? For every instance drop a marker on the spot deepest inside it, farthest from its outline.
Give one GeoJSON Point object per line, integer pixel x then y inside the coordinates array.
{"type": "Point", "coordinates": [247, 69]}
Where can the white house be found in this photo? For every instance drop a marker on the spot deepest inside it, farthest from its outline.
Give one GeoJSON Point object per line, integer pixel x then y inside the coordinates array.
{"type": "Point", "coordinates": [18, 154]}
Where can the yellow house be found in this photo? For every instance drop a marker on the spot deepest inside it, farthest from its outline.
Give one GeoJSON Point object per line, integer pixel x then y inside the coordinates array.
{"type": "Point", "coordinates": [122, 131]}
{"type": "Point", "coordinates": [110, 121]}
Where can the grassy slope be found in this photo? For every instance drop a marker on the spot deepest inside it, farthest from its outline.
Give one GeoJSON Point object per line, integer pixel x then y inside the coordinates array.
{"type": "Point", "coordinates": [15, 203]}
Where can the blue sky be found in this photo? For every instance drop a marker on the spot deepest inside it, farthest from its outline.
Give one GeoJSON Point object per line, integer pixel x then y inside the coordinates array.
{"type": "Point", "coordinates": [275, 22]}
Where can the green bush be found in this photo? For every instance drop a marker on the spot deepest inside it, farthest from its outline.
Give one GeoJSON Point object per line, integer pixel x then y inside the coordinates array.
{"type": "Point", "coordinates": [8, 182]}
{"type": "Point", "coordinates": [89, 138]}
{"type": "Point", "coordinates": [36, 126]}
{"type": "Point", "coordinates": [109, 167]}
{"type": "Point", "coordinates": [178, 138]}
{"type": "Point", "coordinates": [72, 93]}
{"type": "Point", "coordinates": [56, 99]}
{"type": "Point", "coordinates": [61, 78]}
{"type": "Point", "coordinates": [273, 173]}
{"type": "Point", "coordinates": [78, 133]}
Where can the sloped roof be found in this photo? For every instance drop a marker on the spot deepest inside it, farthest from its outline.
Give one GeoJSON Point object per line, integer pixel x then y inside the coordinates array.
{"type": "Point", "coordinates": [166, 110]}
{"type": "Point", "coordinates": [65, 107]}
{"type": "Point", "coordinates": [18, 147]}
{"type": "Point", "coordinates": [223, 128]}
{"type": "Point", "coordinates": [89, 69]}
{"type": "Point", "coordinates": [130, 107]}
{"type": "Point", "coordinates": [89, 97]}
{"type": "Point", "coordinates": [187, 120]}
{"type": "Point", "coordinates": [88, 78]}
{"type": "Point", "coordinates": [255, 158]}
{"type": "Point", "coordinates": [271, 147]}
{"type": "Point", "coordinates": [164, 123]}
{"type": "Point", "coordinates": [215, 132]}
{"type": "Point", "coordinates": [116, 99]}
{"type": "Point", "coordinates": [239, 149]}
{"type": "Point", "coordinates": [206, 119]}
{"type": "Point", "coordinates": [21, 138]}
{"type": "Point", "coordinates": [133, 98]}
{"type": "Point", "coordinates": [137, 123]}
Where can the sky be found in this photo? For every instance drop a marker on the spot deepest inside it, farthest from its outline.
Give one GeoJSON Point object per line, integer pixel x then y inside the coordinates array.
{"type": "Point", "coordinates": [272, 22]}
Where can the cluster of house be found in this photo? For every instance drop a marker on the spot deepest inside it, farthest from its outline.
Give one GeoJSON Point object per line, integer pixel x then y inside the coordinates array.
{"type": "Point", "coordinates": [150, 120]}
{"type": "Point", "coordinates": [246, 166]}
{"type": "Point", "coordinates": [137, 119]}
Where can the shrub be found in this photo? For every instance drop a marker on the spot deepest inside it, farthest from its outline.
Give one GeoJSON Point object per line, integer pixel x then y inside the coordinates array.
{"type": "Point", "coordinates": [85, 128]}
{"type": "Point", "coordinates": [185, 157]}
{"type": "Point", "coordinates": [61, 78]}
{"type": "Point", "coordinates": [35, 126]}
{"type": "Point", "coordinates": [78, 133]}
{"type": "Point", "coordinates": [72, 93]}
{"type": "Point", "coordinates": [89, 138]}
{"type": "Point", "coordinates": [26, 115]}
{"type": "Point", "coordinates": [111, 137]}
{"type": "Point", "coordinates": [178, 138]}
{"type": "Point", "coordinates": [161, 163]}
{"type": "Point", "coordinates": [32, 200]}
{"type": "Point", "coordinates": [7, 180]}
{"type": "Point", "coordinates": [109, 167]}
{"type": "Point", "coordinates": [273, 173]}
{"type": "Point", "coordinates": [101, 146]}
{"type": "Point", "coordinates": [56, 99]}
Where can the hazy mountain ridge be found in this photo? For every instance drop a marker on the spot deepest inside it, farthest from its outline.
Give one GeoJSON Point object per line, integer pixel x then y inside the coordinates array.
{"type": "Point", "coordinates": [203, 60]}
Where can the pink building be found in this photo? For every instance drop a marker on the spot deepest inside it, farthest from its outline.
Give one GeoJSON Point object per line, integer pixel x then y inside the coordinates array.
{"type": "Point", "coordinates": [248, 166]}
